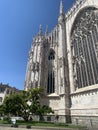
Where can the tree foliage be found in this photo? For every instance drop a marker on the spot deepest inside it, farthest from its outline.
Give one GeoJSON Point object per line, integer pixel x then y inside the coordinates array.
{"type": "Point", "coordinates": [25, 104]}
{"type": "Point", "coordinates": [16, 105]}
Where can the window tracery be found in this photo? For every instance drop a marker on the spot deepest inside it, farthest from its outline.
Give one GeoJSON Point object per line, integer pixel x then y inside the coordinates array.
{"type": "Point", "coordinates": [51, 55]}
{"type": "Point", "coordinates": [84, 38]}
{"type": "Point", "coordinates": [51, 73]}
{"type": "Point", "coordinates": [51, 82]}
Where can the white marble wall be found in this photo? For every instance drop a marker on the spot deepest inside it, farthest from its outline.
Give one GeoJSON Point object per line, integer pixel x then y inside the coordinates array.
{"type": "Point", "coordinates": [84, 100]}
{"type": "Point", "coordinates": [69, 24]}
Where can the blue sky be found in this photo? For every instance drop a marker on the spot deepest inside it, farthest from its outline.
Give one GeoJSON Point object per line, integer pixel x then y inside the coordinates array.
{"type": "Point", "coordinates": [19, 22]}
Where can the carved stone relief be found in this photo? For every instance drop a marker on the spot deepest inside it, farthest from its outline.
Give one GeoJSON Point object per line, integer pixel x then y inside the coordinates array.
{"type": "Point", "coordinates": [83, 27]}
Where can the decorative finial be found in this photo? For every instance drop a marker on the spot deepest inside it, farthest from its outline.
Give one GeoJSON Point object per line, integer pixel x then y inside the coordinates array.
{"type": "Point", "coordinates": [61, 7]}
{"type": "Point", "coordinates": [46, 33]}
{"type": "Point", "coordinates": [40, 30]}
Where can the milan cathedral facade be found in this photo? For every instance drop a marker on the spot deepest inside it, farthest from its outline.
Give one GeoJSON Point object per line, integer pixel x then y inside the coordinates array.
{"type": "Point", "coordinates": [65, 63]}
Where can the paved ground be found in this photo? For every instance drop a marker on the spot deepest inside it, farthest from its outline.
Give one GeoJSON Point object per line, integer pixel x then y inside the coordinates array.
{"type": "Point", "coordinates": [20, 128]}
{"type": "Point", "coordinates": [92, 128]}
{"type": "Point", "coordinates": [11, 128]}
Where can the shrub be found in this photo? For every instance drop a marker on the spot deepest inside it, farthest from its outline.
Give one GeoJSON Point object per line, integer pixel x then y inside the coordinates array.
{"type": "Point", "coordinates": [14, 125]}
{"type": "Point", "coordinates": [7, 118]}
{"type": "Point", "coordinates": [28, 126]}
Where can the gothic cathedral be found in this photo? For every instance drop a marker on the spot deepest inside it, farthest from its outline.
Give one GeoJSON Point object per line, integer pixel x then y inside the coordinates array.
{"type": "Point", "coordinates": [65, 63]}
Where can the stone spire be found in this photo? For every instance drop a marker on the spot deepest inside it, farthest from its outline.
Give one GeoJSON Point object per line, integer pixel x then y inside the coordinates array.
{"type": "Point", "coordinates": [40, 30]}
{"type": "Point", "coordinates": [61, 15]}
{"type": "Point", "coordinates": [46, 33]}
{"type": "Point", "coordinates": [61, 8]}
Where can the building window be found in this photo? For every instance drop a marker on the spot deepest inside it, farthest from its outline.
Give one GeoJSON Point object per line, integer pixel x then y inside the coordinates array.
{"type": "Point", "coordinates": [2, 90]}
{"type": "Point", "coordinates": [85, 47]}
{"type": "Point", "coordinates": [51, 74]}
{"type": "Point", "coordinates": [51, 55]}
{"type": "Point", "coordinates": [51, 83]}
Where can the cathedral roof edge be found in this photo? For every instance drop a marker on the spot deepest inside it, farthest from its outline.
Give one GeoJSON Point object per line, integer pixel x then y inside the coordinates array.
{"type": "Point", "coordinates": [73, 8]}
{"type": "Point", "coordinates": [54, 29]}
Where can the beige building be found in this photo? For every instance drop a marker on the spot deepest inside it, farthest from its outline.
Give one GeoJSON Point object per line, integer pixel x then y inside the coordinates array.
{"type": "Point", "coordinates": [5, 91]}
{"type": "Point", "coordinates": [65, 63]}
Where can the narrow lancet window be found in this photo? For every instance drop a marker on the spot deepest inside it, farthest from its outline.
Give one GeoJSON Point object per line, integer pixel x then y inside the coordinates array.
{"type": "Point", "coordinates": [51, 75]}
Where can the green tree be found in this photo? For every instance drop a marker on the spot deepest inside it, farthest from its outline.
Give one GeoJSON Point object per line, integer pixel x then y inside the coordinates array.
{"type": "Point", "coordinates": [17, 105]}
{"type": "Point", "coordinates": [36, 107]}
{"type": "Point", "coordinates": [34, 98]}
{"type": "Point", "coordinates": [1, 110]}
{"type": "Point", "coordinates": [25, 104]}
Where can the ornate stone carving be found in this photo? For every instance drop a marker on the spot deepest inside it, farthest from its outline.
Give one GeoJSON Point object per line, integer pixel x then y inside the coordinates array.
{"type": "Point", "coordinates": [61, 62]}
{"type": "Point", "coordinates": [33, 67]}
{"type": "Point", "coordinates": [37, 66]}
{"type": "Point", "coordinates": [83, 29]}
{"type": "Point", "coordinates": [61, 82]}
{"type": "Point", "coordinates": [86, 21]}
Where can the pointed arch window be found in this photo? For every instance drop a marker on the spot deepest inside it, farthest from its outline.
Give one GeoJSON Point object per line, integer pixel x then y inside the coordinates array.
{"type": "Point", "coordinates": [51, 72]}
{"type": "Point", "coordinates": [85, 42]}
{"type": "Point", "coordinates": [51, 55]}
